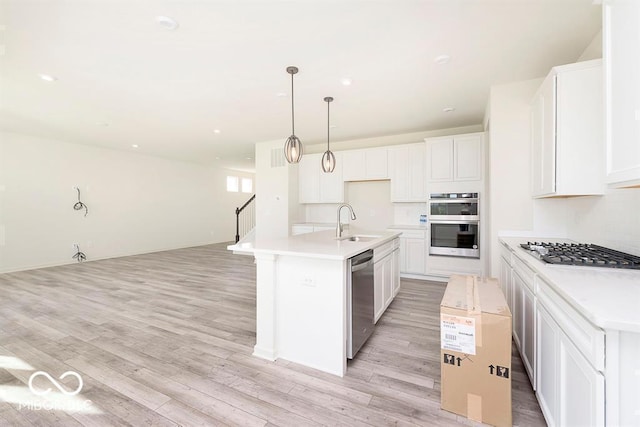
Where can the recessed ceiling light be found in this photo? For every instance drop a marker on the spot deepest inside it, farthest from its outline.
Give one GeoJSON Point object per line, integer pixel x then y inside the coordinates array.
{"type": "Point", "coordinates": [281, 94]}
{"type": "Point", "coordinates": [346, 82]}
{"type": "Point", "coordinates": [166, 22]}
{"type": "Point", "coordinates": [448, 109]}
{"type": "Point", "coordinates": [333, 126]}
{"type": "Point", "coordinates": [248, 158]}
{"type": "Point", "coordinates": [134, 145]}
{"type": "Point", "coordinates": [217, 158]}
{"type": "Point", "coordinates": [216, 131]}
{"type": "Point", "coordinates": [48, 77]}
{"type": "Point", "coordinates": [442, 59]}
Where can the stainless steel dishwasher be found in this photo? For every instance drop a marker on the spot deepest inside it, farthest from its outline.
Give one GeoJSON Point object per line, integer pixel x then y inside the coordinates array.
{"type": "Point", "coordinates": [360, 318]}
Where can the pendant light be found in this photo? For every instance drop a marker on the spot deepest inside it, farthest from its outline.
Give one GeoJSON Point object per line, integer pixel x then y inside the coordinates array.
{"type": "Point", "coordinates": [328, 159]}
{"type": "Point", "coordinates": [293, 146]}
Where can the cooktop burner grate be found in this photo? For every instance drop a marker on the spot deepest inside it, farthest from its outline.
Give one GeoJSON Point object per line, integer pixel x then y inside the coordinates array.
{"type": "Point", "coordinates": [581, 254]}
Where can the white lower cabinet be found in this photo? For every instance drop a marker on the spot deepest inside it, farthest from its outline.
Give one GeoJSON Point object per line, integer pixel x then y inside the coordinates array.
{"type": "Point", "coordinates": [386, 276]}
{"type": "Point", "coordinates": [570, 390]}
{"type": "Point", "coordinates": [412, 252]}
{"type": "Point", "coordinates": [524, 316]}
{"type": "Point", "coordinates": [505, 278]}
{"type": "Point", "coordinates": [547, 349]}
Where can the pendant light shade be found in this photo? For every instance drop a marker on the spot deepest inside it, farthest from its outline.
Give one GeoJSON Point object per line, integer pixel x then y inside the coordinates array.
{"type": "Point", "coordinates": [293, 146]}
{"type": "Point", "coordinates": [328, 159]}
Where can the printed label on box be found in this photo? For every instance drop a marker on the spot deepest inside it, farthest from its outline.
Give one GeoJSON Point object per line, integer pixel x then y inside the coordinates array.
{"type": "Point", "coordinates": [458, 333]}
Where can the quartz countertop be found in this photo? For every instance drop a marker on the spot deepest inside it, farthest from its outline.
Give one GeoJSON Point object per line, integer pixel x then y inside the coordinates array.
{"type": "Point", "coordinates": [608, 297]}
{"type": "Point", "coordinates": [321, 244]}
{"type": "Point", "coordinates": [407, 227]}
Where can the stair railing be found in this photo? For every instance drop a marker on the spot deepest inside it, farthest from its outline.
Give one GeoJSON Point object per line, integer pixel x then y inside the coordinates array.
{"type": "Point", "coordinates": [245, 218]}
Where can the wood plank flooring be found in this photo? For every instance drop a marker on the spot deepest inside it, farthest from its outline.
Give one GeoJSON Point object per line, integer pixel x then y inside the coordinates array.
{"type": "Point", "coordinates": [166, 339]}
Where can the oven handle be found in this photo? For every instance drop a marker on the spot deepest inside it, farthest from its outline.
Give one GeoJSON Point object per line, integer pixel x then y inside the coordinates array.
{"type": "Point", "coordinates": [465, 201]}
{"type": "Point", "coordinates": [462, 221]}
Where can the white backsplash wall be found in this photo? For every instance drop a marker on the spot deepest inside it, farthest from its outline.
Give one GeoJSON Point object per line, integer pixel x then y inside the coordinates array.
{"type": "Point", "coordinates": [371, 201]}
{"type": "Point", "coordinates": [612, 220]}
{"type": "Point", "coordinates": [408, 213]}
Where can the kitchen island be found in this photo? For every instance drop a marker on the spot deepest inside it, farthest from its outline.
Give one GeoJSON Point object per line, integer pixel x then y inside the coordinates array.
{"type": "Point", "coordinates": [302, 298]}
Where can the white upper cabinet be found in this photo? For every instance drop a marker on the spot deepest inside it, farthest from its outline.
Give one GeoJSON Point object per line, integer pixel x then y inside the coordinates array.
{"type": "Point", "coordinates": [454, 158]}
{"type": "Point", "coordinates": [365, 165]}
{"type": "Point", "coordinates": [316, 186]}
{"type": "Point", "coordinates": [407, 173]}
{"type": "Point", "coordinates": [567, 132]}
{"type": "Point", "coordinates": [621, 46]}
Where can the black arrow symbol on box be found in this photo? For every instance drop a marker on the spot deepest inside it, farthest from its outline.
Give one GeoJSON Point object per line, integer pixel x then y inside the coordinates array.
{"type": "Point", "coordinates": [458, 359]}
{"type": "Point", "coordinates": [491, 368]}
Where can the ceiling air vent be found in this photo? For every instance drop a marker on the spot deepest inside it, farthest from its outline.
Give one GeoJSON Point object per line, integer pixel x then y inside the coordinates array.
{"type": "Point", "coordinates": [277, 159]}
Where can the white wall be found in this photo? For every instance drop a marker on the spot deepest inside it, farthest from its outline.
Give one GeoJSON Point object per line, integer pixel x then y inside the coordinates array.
{"type": "Point", "coordinates": [509, 162]}
{"type": "Point", "coordinates": [276, 192]}
{"type": "Point", "coordinates": [612, 220]}
{"type": "Point", "coordinates": [137, 203]}
{"type": "Point", "coordinates": [594, 50]}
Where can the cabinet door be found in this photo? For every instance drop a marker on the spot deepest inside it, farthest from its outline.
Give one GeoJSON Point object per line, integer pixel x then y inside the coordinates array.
{"type": "Point", "coordinates": [376, 163]}
{"type": "Point", "coordinates": [517, 312]}
{"type": "Point", "coordinates": [416, 159]}
{"type": "Point", "coordinates": [528, 340]}
{"type": "Point", "coordinates": [331, 184]}
{"type": "Point", "coordinates": [467, 154]}
{"type": "Point", "coordinates": [415, 255]}
{"type": "Point", "coordinates": [378, 286]}
{"type": "Point", "coordinates": [505, 281]}
{"type": "Point", "coordinates": [387, 274]}
{"type": "Point", "coordinates": [544, 145]}
{"type": "Point", "coordinates": [354, 165]}
{"type": "Point", "coordinates": [400, 176]}
{"type": "Point", "coordinates": [581, 388]}
{"type": "Point", "coordinates": [396, 271]}
{"type": "Point", "coordinates": [440, 159]}
{"type": "Point", "coordinates": [548, 363]}
{"type": "Point", "coordinates": [621, 48]}
{"type": "Point", "coordinates": [309, 179]}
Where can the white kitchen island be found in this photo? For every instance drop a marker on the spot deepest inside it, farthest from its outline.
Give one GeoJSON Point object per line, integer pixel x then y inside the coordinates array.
{"type": "Point", "coordinates": [301, 295]}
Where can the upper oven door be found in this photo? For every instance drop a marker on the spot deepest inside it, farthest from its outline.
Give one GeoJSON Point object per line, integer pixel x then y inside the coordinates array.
{"type": "Point", "coordinates": [453, 210]}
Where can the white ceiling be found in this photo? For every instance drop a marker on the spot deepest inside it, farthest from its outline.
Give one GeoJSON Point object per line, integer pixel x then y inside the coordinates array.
{"type": "Point", "coordinates": [123, 79]}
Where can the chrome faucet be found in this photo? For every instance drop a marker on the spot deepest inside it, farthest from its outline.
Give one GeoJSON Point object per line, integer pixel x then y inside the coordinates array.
{"type": "Point", "coordinates": [338, 223]}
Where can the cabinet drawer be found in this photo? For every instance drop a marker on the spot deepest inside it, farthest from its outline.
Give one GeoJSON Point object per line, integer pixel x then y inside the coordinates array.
{"type": "Point", "coordinates": [385, 249]}
{"type": "Point", "coordinates": [587, 338]}
{"type": "Point", "coordinates": [526, 274]}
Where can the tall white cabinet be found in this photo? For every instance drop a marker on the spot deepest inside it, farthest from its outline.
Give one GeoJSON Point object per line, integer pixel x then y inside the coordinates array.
{"type": "Point", "coordinates": [407, 173]}
{"type": "Point", "coordinates": [621, 48]}
{"type": "Point", "coordinates": [567, 132]}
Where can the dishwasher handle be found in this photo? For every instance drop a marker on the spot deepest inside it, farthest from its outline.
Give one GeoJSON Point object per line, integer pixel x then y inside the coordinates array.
{"type": "Point", "coordinates": [362, 261]}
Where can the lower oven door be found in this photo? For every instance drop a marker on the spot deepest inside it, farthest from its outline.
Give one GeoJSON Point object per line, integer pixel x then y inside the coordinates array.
{"type": "Point", "coordinates": [455, 238]}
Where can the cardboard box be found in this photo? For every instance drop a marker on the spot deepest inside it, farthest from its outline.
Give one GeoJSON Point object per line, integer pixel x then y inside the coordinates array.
{"type": "Point", "coordinates": [475, 342]}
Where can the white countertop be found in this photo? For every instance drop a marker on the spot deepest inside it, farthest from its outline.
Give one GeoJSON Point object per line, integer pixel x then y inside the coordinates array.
{"type": "Point", "coordinates": [608, 297]}
{"type": "Point", "coordinates": [407, 227]}
{"type": "Point", "coordinates": [321, 244]}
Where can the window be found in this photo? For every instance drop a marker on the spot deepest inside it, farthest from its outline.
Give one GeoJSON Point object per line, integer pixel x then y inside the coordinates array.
{"type": "Point", "coordinates": [232, 184]}
{"type": "Point", "coordinates": [247, 185]}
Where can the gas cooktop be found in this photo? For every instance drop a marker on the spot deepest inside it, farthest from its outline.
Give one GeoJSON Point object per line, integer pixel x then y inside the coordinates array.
{"type": "Point", "coordinates": [581, 254]}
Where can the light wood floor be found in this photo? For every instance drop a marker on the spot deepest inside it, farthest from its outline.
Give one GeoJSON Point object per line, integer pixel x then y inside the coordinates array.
{"type": "Point", "coordinates": [166, 339]}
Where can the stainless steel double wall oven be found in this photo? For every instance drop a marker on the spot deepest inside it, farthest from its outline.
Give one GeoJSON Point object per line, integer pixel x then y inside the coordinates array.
{"type": "Point", "coordinates": [455, 224]}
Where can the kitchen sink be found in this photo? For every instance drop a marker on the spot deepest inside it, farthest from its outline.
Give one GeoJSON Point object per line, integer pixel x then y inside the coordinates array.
{"type": "Point", "coordinates": [359, 238]}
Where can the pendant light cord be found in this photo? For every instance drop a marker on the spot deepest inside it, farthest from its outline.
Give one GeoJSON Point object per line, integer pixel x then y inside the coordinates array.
{"type": "Point", "coordinates": [293, 123]}
{"type": "Point", "coordinates": [328, 102]}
